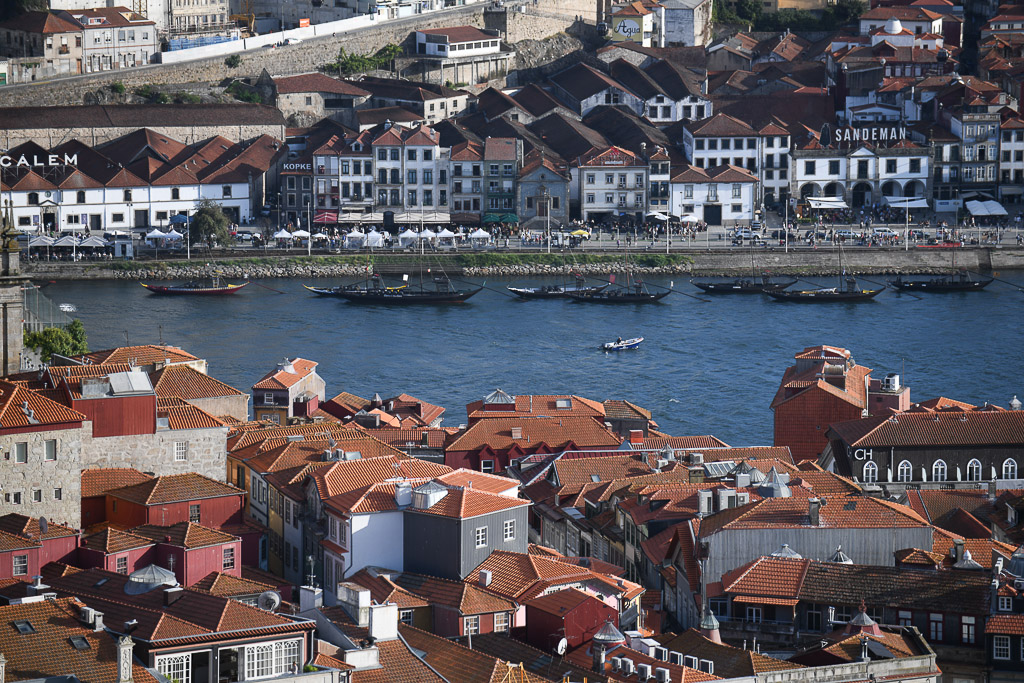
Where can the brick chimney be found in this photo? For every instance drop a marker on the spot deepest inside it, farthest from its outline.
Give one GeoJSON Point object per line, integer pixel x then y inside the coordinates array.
{"type": "Point", "coordinates": [814, 511]}
{"type": "Point", "coordinates": [636, 437]}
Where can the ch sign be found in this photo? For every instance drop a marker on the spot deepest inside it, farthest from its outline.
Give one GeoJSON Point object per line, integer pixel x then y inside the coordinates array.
{"type": "Point", "coordinates": [36, 160]}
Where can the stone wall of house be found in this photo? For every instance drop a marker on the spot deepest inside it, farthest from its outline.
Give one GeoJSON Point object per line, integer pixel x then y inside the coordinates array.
{"type": "Point", "coordinates": [207, 452]}
{"type": "Point", "coordinates": [235, 406]}
{"type": "Point", "coordinates": [50, 137]}
{"type": "Point", "coordinates": [47, 477]}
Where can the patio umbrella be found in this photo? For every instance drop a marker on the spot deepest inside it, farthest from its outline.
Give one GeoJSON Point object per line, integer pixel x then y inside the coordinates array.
{"type": "Point", "coordinates": [688, 218]}
{"type": "Point", "coordinates": [178, 218]}
{"type": "Point", "coordinates": [580, 233]}
{"type": "Point", "coordinates": [509, 218]}
{"type": "Point", "coordinates": [300, 233]}
{"type": "Point", "coordinates": [93, 241]}
{"type": "Point", "coordinates": [66, 241]}
{"type": "Point", "coordinates": [492, 218]}
{"type": "Point", "coordinates": [40, 241]}
{"type": "Point", "coordinates": [657, 215]}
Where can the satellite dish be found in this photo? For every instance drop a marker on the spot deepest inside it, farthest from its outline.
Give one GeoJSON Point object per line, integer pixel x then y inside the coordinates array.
{"type": "Point", "coordinates": [269, 601]}
{"type": "Point", "coordinates": [562, 646]}
{"type": "Point", "coordinates": [44, 526]}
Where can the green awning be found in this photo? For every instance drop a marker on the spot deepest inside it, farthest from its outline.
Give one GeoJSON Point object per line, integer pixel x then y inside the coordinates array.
{"type": "Point", "coordinates": [510, 218]}
{"type": "Point", "coordinates": [492, 218]}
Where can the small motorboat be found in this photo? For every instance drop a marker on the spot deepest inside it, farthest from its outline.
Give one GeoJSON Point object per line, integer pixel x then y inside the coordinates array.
{"type": "Point", "coordinates": [622, 344]}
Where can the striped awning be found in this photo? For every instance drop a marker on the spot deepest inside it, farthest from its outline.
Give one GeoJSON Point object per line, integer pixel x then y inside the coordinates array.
{"type": "Point", "coordinates": [326, 217]}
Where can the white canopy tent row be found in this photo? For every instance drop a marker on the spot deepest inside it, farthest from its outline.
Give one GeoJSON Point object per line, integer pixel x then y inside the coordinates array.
{"type": "Point", "coordinates": [407, 237]}
{"type": "Point", "coordinates": [479, 234]}
{"type": "Point", "coordinates": [374, 239]}
{"type": "Point", "coordinates": [355, 239]}
{"type": "Point", "coordinates": [985, 208]}
{"type": "Point", "coordinates": [282, 235]}
{"type": "Point", "coordinates": [40, 241]}
{"type": "Point", "coordinates": [174, 235]}
{"type": "Point", "coordinates": [827, 203]}
{"type": "Point", "coordinates": [66, 241]}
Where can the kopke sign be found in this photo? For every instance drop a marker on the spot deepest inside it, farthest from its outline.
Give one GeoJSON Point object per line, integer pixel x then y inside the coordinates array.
{"type": "Point", "coordinates": [873, 134]}
{"type": "Point", "coordinates": [35, 160]}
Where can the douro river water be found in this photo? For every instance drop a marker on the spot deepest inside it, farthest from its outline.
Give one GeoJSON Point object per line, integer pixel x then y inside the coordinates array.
{"type": "Point", "coordinates": [706, 367]}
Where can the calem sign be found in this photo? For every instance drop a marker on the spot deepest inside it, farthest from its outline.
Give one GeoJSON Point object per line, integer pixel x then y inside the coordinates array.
{"type": "Point", "coordinates": [37, 160]}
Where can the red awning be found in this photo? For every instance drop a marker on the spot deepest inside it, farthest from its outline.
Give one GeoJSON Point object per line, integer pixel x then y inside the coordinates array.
{"type": "Point", "coordinates": [326, 217]}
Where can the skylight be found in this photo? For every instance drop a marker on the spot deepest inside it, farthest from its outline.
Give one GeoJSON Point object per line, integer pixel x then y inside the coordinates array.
{"type": "Point", "coordinates": [24, 626]}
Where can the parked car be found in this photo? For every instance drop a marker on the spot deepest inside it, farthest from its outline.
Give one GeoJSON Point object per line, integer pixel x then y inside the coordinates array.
{"type": "Point", "coordinates": [885, 232]}
{"type": "Point", "coordinates": [848, 234]}
{"type": "Point", "coordinates": [918, 235]}
{"type": "Point", "coordinates": [747, 234]}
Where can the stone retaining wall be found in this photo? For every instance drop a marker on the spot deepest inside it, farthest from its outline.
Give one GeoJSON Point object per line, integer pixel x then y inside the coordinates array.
{"type": "Point", "coordinates": [821, 261]}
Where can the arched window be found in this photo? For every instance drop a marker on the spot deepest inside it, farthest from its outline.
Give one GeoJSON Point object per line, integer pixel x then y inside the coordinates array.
{"type": "Point", "coordinates": [974, 470]}
{"type": "Point", "coordinates": [81, 197]}
{"type": "Point", "coordinates": [1009, 469]}
{"type": "Point", "coordinates": [870, 473]}
{"type": "Point", "coordinates": [905, 472]}
{"type": "Point", "coordinates": [33, 198]}
{"type": "Point", "coordinates": [939, 470]}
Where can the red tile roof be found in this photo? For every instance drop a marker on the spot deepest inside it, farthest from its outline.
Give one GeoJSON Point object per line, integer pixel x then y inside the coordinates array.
{"type": "Point", "coordinates": [97, 481]}
{"type": "Point", "coordinates": [316, 82]}
{"type": "Point", "coordinates": [1006, 624]}
{"type": "Point", "coordinates": [227, 586]}
{"type": "Point", "coordinates": [182, 415]}
{"type": "Point", "coordinates": [457, 662]}
{"type": "Point", "coordinates": [49, 652]}
{"type": "Point", "coordinates": [146, 354]}
{"type": "Point", "coordinates": [279, 379]}
{"type": "Point", "coordinates": [555, 432]}
{"type": "Point", "coordinates": [950, 427]}
{"type": "Point", "coordinates": [464, 503]}
{"type": "Point", "coordinates": [467, 598]}
{"type": "Point", "coordinates": [112, 540]}
{"type": "Point", "coordinates": [184, 535]}
{"type": "Point", "coordinates": [175, 488]}
{"type": "Point", "coordinates": [847, 512]}
{"type": "Point", "coordinates": [538, 405]}
{"type": "Point", "coordinates": [28, 527]}
{"type": "Point", "coordinates": [187, 383]}
{"type": "Point", "coordinates": [17, 404]}
{"type": "Point", "coordinates": [459, 34]}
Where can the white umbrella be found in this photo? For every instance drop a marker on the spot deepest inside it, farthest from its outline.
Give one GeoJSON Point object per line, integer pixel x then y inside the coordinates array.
{"type": "Point", "coordinates": [66, 241]}
{"type": "Point", "coordinates": [174, 235]}
{"type": "Point", "coordinates": [445, 234]}
{"type": "Point", "coordinates": [300, 233]}
{"type": "Point", "coordinates": [41, 241]}
{"type": "Point", "coordinates": [355, 234]}
{"type": "Point", "coordinates": [689, 218]}
{"type": "Point", "coordinates": [427, 234]}
{"type": "Point", "coordinates": [657, 215]}
{"type": "Point", "coordinates": [282, 235]}
{"type": "Point", "coordinates": [479, 234]}
{"type": "Point", "coordinates": [155, 235]}
{"type": "Point", "coordinates": [93, 241]}
{"type": "Point", "coordinates": [320, 236]}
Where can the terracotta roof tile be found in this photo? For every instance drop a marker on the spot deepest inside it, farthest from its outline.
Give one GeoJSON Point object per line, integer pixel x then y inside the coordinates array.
{"type": "Point", "coordinates": [1006, 624]}
{"type": "Point", "coordinates": [317, 82]}
{"type": "Point", "coordinates": [112, 540]}
{"type": "Point", "coordinates": [174, 488]}
{"type": "Point", "coordinates": [227, 586]}
{"type": "Point", "coordinates": [182, 415]}
{"type": "Point", "coordinates": [466, 503]}
{"type": "Point", "coordinates": [28, 527]}
{"type": "Point", "coordinates": [467, 598]}
{"type": "Point", "coordinates": [279, 379]}
{"type": "Point", "coordinates": [146, 354]}
{"type": "Point", "coordinates": [21, 407]}
{"type": "Point", "coordinates": [730, 661]}
{"type": "Point", "coordinates": [49, 652]}
{"type": "Point", "coordinates": [456, 662]}
{"type": "Point", "coordinates": [556, 432]}
{"type": "Point", "coordinates": [187, 383]}
{"type": "Point", "coordinates": [952, 427]}
{"type": "Point", "coordinates": [96, 481]}
{"type": "Point", "coordinates": [184, 535]}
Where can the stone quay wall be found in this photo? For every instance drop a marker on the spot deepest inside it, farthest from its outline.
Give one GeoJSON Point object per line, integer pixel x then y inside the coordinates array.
{"type": "Point", "coordinates": [822, 261]}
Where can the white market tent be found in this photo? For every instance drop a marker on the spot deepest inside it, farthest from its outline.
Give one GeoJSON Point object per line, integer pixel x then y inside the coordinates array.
{"type": "Point", "coordinates": [174, 235]}
{"type": "Point", "coordinates": [479, 234]}
{"type": "Point", "coordinates": [40, 241]}
{"type": "Point", "coordinates": [907, 202]}
{"type": "Point", "coordinates": [986, 208]}
{"type": "Point", "coordinates": [66, 241]}
{"type": "Point", "coordinates": [93, 241]}
{"type": "Point", "coordinates": [427, 234]}
{"type": "Point", "coordinates": [300, 233]}
{"type": "Point", "coordinates": [827, 203]}
{"type": "Point", "coordinates": [282, 235]}
{"type": "Point", "coordinates": [156, 235]}
{"type": "Point", "coordinates": [445, 234]}
{"type": "Point", "coordinates": [354, 239]}
{"type": "Point", "coordinates": [406, 238]}
{"type": "Point", "coordinates": [374, 239]}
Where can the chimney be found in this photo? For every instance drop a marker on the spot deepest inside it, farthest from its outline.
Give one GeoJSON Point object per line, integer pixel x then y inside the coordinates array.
{"type": "Point", "coordinates": [599, 655]}
{"type": "Point", "coordinates": [124, 660]}
{"type": "Point", "coordinates": [97, 620]}
{"type": "Point", "coordinates": [310, 597]}
{"type": "Point", "coordinates": [485, 578]}
{"type": "Point", "coordinates": [814, 511]}
{"type": "Point", "coordinates": [636, 437]}
{"type": "Point", "coordinates": [403, 494]}
{"type": "Point", "coordinates": [517, 432]}
{"type": "Point", "coordinates": [171, 595]}
{"type": "Point", "coordinates": [704, 503]}
{"type": "Point", "coordinates": [958, 549]}
{"type": "Point", "coordinates": [384, 622]}
{"type": "Point", "coordinates": [864, 649]}
{"type": "Point", "coordinates": [36, 587]}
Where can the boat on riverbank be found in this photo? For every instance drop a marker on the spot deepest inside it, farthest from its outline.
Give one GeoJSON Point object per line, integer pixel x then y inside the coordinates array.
{"type": "Point", "coordinates": [196, 288]}
{"type": "Point", "coordinates": [957, 282]}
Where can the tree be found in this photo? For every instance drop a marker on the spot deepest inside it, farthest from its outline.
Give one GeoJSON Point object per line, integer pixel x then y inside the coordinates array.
{"type": "Point", "coordinates": [77, 331]}
{"type": "Point", "coordinates": [209, 224]}
{"type": "Point", "coordinates": [749, 10]}
{"type": "Point", "coordinates": [57, 340]}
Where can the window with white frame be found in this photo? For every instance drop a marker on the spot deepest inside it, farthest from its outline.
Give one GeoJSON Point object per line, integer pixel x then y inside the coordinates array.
{"type": "Point", "coordinates": [870, 472]}
{"type": "Point", "coordinates": [481, 537]}
{"type": "Point", "coordinates": [935, 627]}
{"type": "Point", "coordinates": [905, 618]}
{"type": "Point", "coordinates": [1001, 647]}
{"type": "Point", "coordinates": [122, 565]}
{"type": "Point", "coordinates": [939, 470]}
{"type": "Point", "coordinates": [264, 660]}
{"type": "Point", "coordinates": [967, 630]}
{"type": "Point", "coordinates": [753, 613]}
{"type": "Point", "coordinates": [487, 466]}
{"type": "Point", "coordinates": [1005, 603]}
{"type": "Point", "coordinates": [20, 565]}
{"type": "Point", "coordinates": [21, 452]}
{"type": "Point", "coordinates": [194, 513]}
{"type": "Point", "coordinates": [176, 667]}
{"type": "Point", "coordinates": [471, 626]}
{"type": "Point", "coordinates": [229, 558]}
{"type": "Point", "coordinates": [1009, 469]}
{"type": "Point", "coordinates": [501, 622]}
{"type": "Point", "coordinates": [509, 530]}
{"type": "Point", "coordinates": [180, 451]}
{"type": "Point", "coordinates": [405, 616]}
{"type": "Point", "coordinates": [905, 472]}
{"type": "Point", "coordinates": [974, 470]}
{"type": "Point", "coordinates": [50, 450]}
